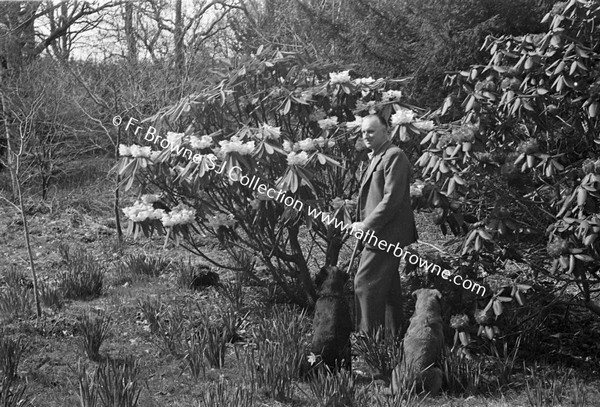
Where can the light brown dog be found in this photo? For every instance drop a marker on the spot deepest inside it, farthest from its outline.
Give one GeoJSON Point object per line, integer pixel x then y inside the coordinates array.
{"type": "Point", "coordinates": [422, 346]}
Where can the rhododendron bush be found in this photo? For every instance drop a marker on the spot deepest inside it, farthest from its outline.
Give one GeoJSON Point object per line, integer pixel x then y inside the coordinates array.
{"type": "Point", "coordinates": [293, 125]}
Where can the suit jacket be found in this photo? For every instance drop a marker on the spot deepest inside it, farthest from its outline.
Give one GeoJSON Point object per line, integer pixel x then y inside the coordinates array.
{"type": "Point", "coordinates": [384, 199]}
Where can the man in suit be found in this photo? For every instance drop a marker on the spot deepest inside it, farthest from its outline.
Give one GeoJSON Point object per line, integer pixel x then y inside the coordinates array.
{"type": "Point", "coordinates": [385, 216]}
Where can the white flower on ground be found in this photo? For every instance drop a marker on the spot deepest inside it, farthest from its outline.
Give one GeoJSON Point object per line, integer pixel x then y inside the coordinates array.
{"type": "Point", "coordinates": [141, 211]}
{"type": "Point", "coordinates": [201, 142]}
{"type": "Point", "coordinates": [339, 77]}
{"type": "Point", "coordinates": [424, 125]}
{"type": "Point", "coordinates": [174, 138]}
{"type": "Point", "coordinates": [307, 144]}
{"type": "Point", "coordinates": [357, 123]}
{"type": "Point", "coordinates": [300, 158]}
{"type": "Point", "coordinates": [403, 116]}
{"type": "Point", "coordinates": [391, 95]}
{"type": "Point", "coordinates": [180, 215]}
{"type": "Point", "coordinates": [328, 122]}
{"type": "Point", "coordinates": [149, 198]}
{"type": "Point", "coordinates": [124, 151]}
{"type": "Point", "coordinates": [270, 132]}
{"type": "Point", "coordinates": [235, 145]}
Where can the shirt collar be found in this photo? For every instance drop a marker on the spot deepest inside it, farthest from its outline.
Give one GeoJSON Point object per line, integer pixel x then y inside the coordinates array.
{"type": "Point", "coordinates": [380, 150]}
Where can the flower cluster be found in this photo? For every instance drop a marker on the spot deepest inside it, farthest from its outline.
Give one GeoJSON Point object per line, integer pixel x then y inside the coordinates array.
{"type": "Point", "coordinates": [235, 145]}
{"type": "Point", "coordinates": [328, 122]}
{"type": "Point", "coordinates": [364, 81]}
{"type": "Point", "coordinates": [134, 151]}
{"type": "Point", "coordinates": [353, 125]}
{"type": "Point", "coordinates": [426, 125]}
{"type": "Point", "coordinates": [339, 77]}
{"type": "Point", "coordinates": [174, 138]}
{"type": "Point", "coordinates": [180, 215]}
{"type": "Point", "coordinates": [141, 211]}
{"type": "Point", "coordinates": [300, 158]}
{"type": "Point", "coordinates": [269, 132]}
{"type": "Point", "coordinates": [403, 116]}
{"type": "Point", "coordinates": [201, 142]}
{"type": "Point", "coordinates": [390, 95]}
{"type": "Point", "coordinates": [307, 144]}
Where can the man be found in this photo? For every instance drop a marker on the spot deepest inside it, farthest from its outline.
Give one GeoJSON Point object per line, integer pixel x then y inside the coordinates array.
{"type": "Point", "coordinates": [385, 215]}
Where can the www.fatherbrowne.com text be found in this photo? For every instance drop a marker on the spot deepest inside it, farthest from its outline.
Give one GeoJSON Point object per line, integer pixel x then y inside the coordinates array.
{"type": "Point", "coordinates": [235, 174]}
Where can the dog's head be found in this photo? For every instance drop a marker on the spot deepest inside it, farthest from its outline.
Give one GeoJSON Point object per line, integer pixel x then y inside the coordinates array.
{"type": "Point", "coordinates": [330, 280]}
{"type": "Point", "coordinates": [428, 300]}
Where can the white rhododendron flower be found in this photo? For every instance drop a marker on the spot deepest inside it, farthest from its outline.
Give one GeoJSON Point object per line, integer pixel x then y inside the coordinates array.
{"type": "Point", "coordinates": [403, 116]}
{"type": "Point", "coordinates": [307, 144]}
{"type": "Point", "coordinates": [180, 215]}
{"type": "Point", "coordinates": [141, 211]}
{"type": "Point", "coordinates": [328, 122]}
{"type": "Point", "coordinates": [235, 145]}
{"type": "Point", "coordinates": [391, 95]}
{"type": "Point", "coordinates": [138, 151]}
{"type": "Point", "coordinates": [270, 132]}
{"type": "Point", "coordinates": [201, 142]}
{"type": "Point", "coordinates": [364, 81]}
{"type": "Point", "coordinates": [357, 123]}
{"type": "Point", "coordinates": [287, 146]}
{"type": "Point", "coordinates": [300, 158]}
{"type": "Point", "coordinates": [154, 155]}
{"type": "Point", "coordinates": [149, 198]}
{"type": "Point", "coordinates": [424, 125]}
{"type": "Point", "coordinates": [339, 77]}
{"type": "Point", "coordinates": [174, 138]}
{"type": "Point", "coordinates": [124, 151]}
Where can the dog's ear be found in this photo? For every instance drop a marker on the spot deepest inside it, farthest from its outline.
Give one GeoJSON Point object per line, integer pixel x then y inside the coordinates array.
{"type": "Point", "coordinates": [437, 294]}
{"type": "Point", "coordinates": [415, 293]}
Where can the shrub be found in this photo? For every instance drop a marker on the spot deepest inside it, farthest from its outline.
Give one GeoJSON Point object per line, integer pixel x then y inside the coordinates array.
{"type": "Point", "coordinates": [94, 328]}
{"type": "Point", "coordinates": [152, 309]}
{"type": "Point", "coordinates": [142, 265]}
{"type": "Point", "coordinates": [381, 352]}
{"type": "Point", "coordinates": [275, 357]}
{"type": "Point", "coordinates": [117, 382]}
{"type": "Point", "coordinates": [16, 303]}
{"type": "Point", "coordinates": [83, 278]}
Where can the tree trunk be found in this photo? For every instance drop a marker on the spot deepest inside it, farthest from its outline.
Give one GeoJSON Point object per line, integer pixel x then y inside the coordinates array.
{"type": "Point", "coordinates": [132, 52]}
{"type": "Point", "coordinates": [178, 37]}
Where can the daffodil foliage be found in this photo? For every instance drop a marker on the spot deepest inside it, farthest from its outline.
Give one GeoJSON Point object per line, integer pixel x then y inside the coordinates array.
{"type": "Point", "coordinates": [520, 153]}
{"type": "Point", "coordinates": [291, 127]}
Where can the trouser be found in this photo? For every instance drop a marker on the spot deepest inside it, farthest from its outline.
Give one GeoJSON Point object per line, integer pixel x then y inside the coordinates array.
{"type": "Point", "coordinates": [377, 292]}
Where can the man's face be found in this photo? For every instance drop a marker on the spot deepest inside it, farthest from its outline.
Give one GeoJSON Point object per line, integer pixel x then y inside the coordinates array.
{"type": "Point", "coordinates": [374, 133]}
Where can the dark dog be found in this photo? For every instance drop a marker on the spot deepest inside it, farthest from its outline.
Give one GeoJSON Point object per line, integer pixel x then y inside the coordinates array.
{"type": "Point", "coordinates": [332, 323]}
{"type": "Point", "coordinates": [422, 346]}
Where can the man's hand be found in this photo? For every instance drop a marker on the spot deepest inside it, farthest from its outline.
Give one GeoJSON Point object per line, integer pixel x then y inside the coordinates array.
{"type": "Point", "coordinates": [357, 226]}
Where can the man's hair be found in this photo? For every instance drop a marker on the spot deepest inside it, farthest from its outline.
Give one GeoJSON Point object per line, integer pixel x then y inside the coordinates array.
{"type": "Point", "coordinates": [379, 117]}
